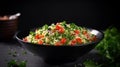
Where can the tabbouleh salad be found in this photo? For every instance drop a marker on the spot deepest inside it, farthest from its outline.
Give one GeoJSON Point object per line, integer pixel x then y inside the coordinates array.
{"type": "Point", "coordinates": [59, 34]}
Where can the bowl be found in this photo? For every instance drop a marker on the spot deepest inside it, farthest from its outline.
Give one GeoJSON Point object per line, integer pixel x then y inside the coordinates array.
{"type": "Point", "coordinates": [8, 27]}
{"type": "Point", "coordinates": [56, 55]}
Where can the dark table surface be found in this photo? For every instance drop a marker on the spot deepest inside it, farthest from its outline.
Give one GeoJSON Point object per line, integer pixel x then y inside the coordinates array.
{"type": "Point", "coordinates": [12, 50]}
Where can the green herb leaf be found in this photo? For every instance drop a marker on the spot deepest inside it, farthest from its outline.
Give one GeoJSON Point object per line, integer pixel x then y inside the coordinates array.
{"type": "Point", "coordinates": [109, 46]}
{"type": "Point", "coordinates": [15, 63]}
{"type": "Point", "coordinates": [45, 27]}
{"type": "Point", "coordinates": [90, 63]}
{"type": "Point", "coordinates": [22, 64]}
{"type": "Point", "coordinates": [12, 63]}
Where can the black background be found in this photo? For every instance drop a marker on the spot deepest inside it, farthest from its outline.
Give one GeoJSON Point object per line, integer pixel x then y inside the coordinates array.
{"type": "Point", "coordinates": [35, 13]}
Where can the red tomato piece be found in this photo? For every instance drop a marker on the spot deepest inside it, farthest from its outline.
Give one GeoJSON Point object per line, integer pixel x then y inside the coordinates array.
{"type": "Point", "coordinates": [77, 31]}
{"type": "Point", "coordinates": [38, 36]}
{"type": "Point", "coordinates": [25, 39]}
{"type": "Point", "coordinates": [79, 40]}
{"type": "Point", "coordinates": [63, 40]}
{"type": "Point", "coordinates": [57, 27]}
{"type": "Point", "coordinates": [40, 42]}
{"type": "Point", "coordinates": [61, 30]}
{"type": "Point", "coordinates": [57, 44]}
{"type": "Point", "coordinates": [73, 42]}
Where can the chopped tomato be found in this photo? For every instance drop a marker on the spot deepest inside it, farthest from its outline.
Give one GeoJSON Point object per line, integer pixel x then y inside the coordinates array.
{"type": "Point", "coordinates": [79, 40]}
{"type": "Point", "coordinates": [57, 27]}
{"type": "Point", "coordinates": [40, 42]}
{"type": "Point", "coordinates": [25, 39]}
{"type": "Point", "coordinates": [63, 40]}
{"type": "Point", "coordinates": [57, 44]}
{"type": "Point", "coordinates": [77, 31]}
{"type": "Point", "coordinates": [73, 42]}
{"type": "Point", "coordinates": [61, 30]}
{"type": "Point", "coordinates": [38, 36]}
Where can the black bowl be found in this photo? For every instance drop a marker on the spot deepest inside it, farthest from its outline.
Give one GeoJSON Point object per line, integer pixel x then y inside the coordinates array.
{"type": "Point", "coordinates": [56, 55]}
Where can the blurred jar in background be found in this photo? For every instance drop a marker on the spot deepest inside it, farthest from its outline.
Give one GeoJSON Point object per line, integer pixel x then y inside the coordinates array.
{"type": "Point", "coordinates": [8, 26]}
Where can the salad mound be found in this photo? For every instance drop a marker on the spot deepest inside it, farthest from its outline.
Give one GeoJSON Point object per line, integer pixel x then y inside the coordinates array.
{"type": "Point", "coordinates": [60, 34]}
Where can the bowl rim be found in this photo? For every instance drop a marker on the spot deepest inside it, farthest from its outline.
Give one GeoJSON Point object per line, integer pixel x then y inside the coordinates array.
{"type": "Point", "coordinates": [76, 45]}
